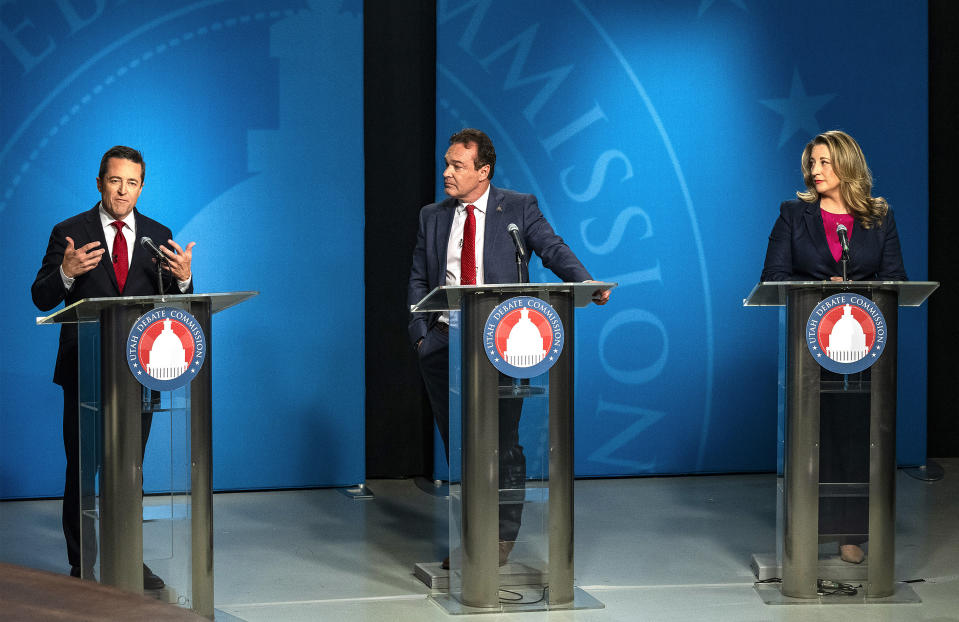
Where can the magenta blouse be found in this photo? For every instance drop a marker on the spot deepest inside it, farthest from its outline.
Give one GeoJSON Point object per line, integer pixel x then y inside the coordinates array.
{"type": "Point", "coordinates": [829, 221]}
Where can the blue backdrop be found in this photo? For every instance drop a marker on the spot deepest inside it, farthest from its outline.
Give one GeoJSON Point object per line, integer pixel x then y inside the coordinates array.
{"type": "Point", "coordinates": [660, 138]}
{"type": "Point", "coordinates": [249, 116]}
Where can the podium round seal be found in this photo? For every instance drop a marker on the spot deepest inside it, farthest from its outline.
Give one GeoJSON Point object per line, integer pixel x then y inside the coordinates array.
{"type": "Point", "coordinates": [523, 336]}
{"type": "Point", "coordinates": [846, 333]}
{"type": "Point", "coordinates": [166, 348]}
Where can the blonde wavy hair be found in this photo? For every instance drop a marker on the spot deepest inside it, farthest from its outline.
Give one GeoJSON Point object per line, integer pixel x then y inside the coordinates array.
{"type": "Point", "coordinates": [855, 178]}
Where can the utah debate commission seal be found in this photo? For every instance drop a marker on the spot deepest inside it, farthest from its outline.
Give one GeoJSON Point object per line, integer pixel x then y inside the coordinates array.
{"type": "Point", "coordinates": [846, 333]}
{"type": "Point", "coordinates": [523, 337]}
{"type": "Point", "coordinates": [166, 348]}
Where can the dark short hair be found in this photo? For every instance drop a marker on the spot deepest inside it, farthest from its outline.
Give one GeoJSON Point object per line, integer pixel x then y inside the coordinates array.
{"type": "Point", "coordinates": [124, 153]}
{"type": "Point", "coordinates": [485, 154]}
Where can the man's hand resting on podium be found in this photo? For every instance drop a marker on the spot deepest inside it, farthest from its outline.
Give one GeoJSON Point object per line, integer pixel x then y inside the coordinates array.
{"type": "Point", "coordinates": [600, 296]}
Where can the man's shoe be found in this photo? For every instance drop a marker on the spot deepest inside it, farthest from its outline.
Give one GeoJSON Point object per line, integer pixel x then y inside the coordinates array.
{"type": "Point", "coordinates": [446, 563]}
{"type": "Point", "coordinates": [75, 571]}
{"type": "Point", "coordinates": [851, 553]}
{"type": "Point", "coordinates": [150, 580]}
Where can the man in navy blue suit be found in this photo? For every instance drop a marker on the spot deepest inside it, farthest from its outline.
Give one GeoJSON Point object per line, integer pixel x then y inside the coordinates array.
{"type": "Point", "coordinates": [477, 209]}
{"type": "Point", "coordinates": [73, 269]}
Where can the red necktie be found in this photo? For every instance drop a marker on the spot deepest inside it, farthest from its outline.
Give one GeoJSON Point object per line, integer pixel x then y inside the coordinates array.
{"type": "Point", "coordinates": [121, 262]}
{"type": "Point", "coordinates": [468, 255]}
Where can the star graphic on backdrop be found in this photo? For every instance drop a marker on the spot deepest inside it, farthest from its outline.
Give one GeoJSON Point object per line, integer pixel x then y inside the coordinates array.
{"type": "Point", "coordinates": [798, 110]}
{"type": "Point", "coordinates": [705, 4]}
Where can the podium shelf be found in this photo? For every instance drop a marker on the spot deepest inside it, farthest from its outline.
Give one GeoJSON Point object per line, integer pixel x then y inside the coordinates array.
{"type": "Point", "coordinates": [776, 293]}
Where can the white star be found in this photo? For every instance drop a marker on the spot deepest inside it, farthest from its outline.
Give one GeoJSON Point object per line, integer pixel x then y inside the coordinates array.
{"type": "Point", "coordinates": [798, 110]}
{"type": "Point", "coordinates": [705, 4]}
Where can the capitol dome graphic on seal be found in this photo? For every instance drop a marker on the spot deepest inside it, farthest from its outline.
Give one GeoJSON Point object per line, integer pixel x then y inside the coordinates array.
{"type": "Point", "coordinates": [523, 336]}
{"type": "Point", "coordinates": [166, 348]}
{"type": "Point", "coordinates": [846, 333]}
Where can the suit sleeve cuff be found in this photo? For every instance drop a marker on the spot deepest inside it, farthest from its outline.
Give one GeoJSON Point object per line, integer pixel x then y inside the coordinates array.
{"type": "Point", "coordinates": [67, 281]}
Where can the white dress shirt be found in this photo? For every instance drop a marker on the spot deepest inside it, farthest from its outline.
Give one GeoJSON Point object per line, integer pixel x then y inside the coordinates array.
{"type": "Point", "coordinates": [454, 246]}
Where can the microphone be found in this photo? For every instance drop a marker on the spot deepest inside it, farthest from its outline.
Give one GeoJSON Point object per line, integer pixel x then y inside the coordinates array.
{"type": "Point", "coordinates": [843, 238]}
{"type": "Point", "coordinates": [151, 246]}
{"type": "Point", "coordinates": [514, 233]}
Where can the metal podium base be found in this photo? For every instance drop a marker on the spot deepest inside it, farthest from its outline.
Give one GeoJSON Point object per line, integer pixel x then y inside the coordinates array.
{"type": "Point", "coordinates": [832, 568]}
{"type": "Point", "coordinates": [523, 590]}
{"type": "Point", "coordinates": [435, 578]}
{"type": "Point", "coordinates": [771, 593]}
{"type": "Point", "coordinates": [165, 594]}
{"type": "Point", "coordinates": [522, 598]}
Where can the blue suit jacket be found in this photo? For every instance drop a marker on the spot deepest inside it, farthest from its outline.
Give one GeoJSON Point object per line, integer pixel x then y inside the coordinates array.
{"type": "Point", "coordinates": [798, 250]}
{"type": "Point", "coordinates": [499, 257]}
{"type": "Point", "coordinates": [101, 282]}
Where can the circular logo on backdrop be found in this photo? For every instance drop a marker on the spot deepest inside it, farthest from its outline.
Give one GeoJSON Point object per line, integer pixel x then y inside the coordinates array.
{"type": "Point", "coordinates": [846, 333]}
{"type": "Point", "coordinates": [166, 348]}
{"type": "Point", "coordinates": [523, 337]}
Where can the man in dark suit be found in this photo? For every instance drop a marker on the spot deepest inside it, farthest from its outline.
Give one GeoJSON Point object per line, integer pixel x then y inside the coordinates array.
{"type": "Point", "coordinates": [73, 269]}
{"type": "Point", "coordinates": [464, 240]}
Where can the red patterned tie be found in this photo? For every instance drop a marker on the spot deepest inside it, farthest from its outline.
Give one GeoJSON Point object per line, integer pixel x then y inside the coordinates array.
{"type": "Point", "coordinates": [121, 262]}
{"type": "Point", "coordinates": [468, 256]}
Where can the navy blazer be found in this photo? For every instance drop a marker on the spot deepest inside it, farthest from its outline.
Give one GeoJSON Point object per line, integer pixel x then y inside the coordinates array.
{"type": "Point", "coordinates": [499, 256]}
{"type": "Point", "coordinates": [798, 250]}
{"type": "Point", "coordinates": [100, 282]}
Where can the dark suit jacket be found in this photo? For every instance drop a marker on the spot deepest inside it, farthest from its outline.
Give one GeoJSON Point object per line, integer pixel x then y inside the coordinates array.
{"type": "Point", "coordinates": [499, 256]}
{"type": "Point", "coordinates": [48, 290]}
{"type": "Point", "coordinates": [798, 250]}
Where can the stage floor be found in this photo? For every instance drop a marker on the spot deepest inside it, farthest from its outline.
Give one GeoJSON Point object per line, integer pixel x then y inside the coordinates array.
{"type": "Point", "coordinates": [657, 549]}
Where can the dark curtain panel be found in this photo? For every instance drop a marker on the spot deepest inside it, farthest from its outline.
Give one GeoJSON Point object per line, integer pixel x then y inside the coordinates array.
{"type": "Point", "coordinates": [943, 228]}
{"type": "Point", "coordinates": [399, 80]}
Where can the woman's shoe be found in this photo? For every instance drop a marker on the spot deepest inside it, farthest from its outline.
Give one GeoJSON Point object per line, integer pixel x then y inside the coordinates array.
{"type": "Point", "coordinates": [851, 553]}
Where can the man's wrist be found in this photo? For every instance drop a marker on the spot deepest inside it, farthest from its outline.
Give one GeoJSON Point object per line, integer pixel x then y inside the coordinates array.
{"type": "Point", "coordinates": [67, 280]}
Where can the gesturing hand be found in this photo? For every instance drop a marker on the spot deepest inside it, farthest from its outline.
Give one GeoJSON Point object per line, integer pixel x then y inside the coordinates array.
{"type": "Point", "coordinates": [180, 259]}
{"type": "Point", "coordinates": [77, 261]}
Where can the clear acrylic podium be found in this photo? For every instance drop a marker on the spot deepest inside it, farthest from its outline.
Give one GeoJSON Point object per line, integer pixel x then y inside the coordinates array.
{"type": "Point", "coordinates": [538, 574]}
{"type": "Point", "coordinates": [863, 409]}
{"type": "Point", "coordinates": [171, 531]}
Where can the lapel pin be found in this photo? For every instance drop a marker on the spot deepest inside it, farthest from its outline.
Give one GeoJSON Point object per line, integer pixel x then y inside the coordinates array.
{"type": "Point", "coordinates": [499, 208]}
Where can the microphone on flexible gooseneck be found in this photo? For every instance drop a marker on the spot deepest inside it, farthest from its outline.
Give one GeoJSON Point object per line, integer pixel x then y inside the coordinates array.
{"type": "Point", "coordinates": [843, 234]}
{"type": "Point", "coordinates": [151, 246]}
{"type": "Point", "coordinates": [520, 251]}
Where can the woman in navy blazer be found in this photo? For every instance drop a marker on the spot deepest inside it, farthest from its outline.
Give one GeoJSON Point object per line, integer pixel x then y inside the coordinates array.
{"type": "Point", "coordinates": [804, 246]}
